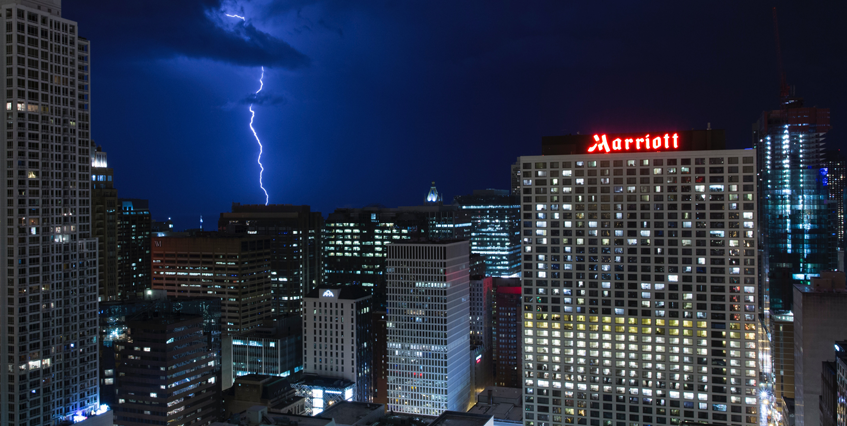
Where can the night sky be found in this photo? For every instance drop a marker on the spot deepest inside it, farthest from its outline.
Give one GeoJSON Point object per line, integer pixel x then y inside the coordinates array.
{"type": "Point", "coordinates": [368, 102]}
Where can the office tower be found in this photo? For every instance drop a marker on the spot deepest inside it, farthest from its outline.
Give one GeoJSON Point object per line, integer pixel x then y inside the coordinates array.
{"type": "Point", "coordinates": [639, 280]}
{"type": "Point", "coordinates": [818, 322]}
{"type": "Point", "coordinates": [273, 349]}
{"type": "Point", "coordinates": [495, 229]}
{"type": "Point", "coordinates": [296, 232]}
{"type": "Point", "coordinates": [271, 392]}
{"type": "Point", "coordinates": [782, 356]}
{"type": "Point", "coordinates": [104, 224]}
{"type": "Point", "coordinates": [49, 309]}
{"type": "Point", "coordinates": [165, 373]}
{"type": "Point", "coordinates": [232, 268]}
{"type": "Point", "coordinates": [481, 306]}
{"type": "Point", "coordinates": [428, 343]}
{"type": "Point", "coordinates": [338, 346]}
{"type": "Point", "coordinates": [795, 213]}
{"type": "Point", "coordinates": [834, 178]}
{"type": "Point", "coordinates": [134, 262]}
{"type": "Point", "coordinates": [114, 330]}
{"type": "Point", "coordinates": [507, 333]}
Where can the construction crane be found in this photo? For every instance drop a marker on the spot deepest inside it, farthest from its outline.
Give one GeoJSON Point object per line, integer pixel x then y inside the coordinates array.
{"type": "Point", "coordinates": [784, 91]}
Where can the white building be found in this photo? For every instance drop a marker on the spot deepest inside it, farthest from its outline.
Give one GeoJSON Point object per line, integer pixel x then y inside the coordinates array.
{"type": "Point", "coordinates": [639, 283]}
{"type": "Point", "coordinates": [427, 327]}
{"type": "Point", "coordinates": [49, 287]}
{"type": "Point", "coordinates": [337, 347]}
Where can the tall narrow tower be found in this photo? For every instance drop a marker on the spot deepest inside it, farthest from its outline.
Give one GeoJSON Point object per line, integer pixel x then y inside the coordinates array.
{"type": "Point", "coordinates": [49, 284]}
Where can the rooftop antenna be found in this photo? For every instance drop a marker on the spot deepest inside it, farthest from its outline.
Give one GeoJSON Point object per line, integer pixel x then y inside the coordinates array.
{"type": "Point", "coordinates": [784, 91]}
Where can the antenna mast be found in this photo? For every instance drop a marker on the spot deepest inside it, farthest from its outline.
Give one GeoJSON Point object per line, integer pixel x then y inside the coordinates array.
{"type": "Point", "coordinates": [784, 91]}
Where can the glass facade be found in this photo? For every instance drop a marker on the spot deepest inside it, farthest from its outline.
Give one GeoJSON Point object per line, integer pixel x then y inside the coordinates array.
{"type": "Point", "coordinates": [495, 229]}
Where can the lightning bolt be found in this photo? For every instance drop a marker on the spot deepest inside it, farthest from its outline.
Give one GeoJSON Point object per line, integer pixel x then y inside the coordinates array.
{"type": "Point", "coordinates": [252, 117]}
{"type": "Point", "coordinates": [259, 160]}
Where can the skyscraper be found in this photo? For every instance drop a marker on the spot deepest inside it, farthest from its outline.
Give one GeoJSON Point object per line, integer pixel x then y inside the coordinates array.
{"type": "Point", "coordinates": [639, 281]}
{"type": "Point", "coordinates": [50, 283]}
{"type": "Point", "coordinates": [295, 232]}
{"type": "Point", "coordinates": [134, 240]}
{"type": "Point", "coordinates": [495, 229]}
{"type": "Point", "coordinates": [428, 331]}
{"type": "Point", "coordinates": [104, 224]}
{"type": "Point", "coordinates": [796, 216]}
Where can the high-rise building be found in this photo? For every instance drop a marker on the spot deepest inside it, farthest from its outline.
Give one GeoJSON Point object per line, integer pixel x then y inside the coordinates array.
{"type": "Point", "coordinates": [796, 216]}
{"type": "Point", "coordinates": [841, 382]}
{"type": "Point", "coordinates": [507, 333]}
{"type": "Point", "coordinates": [134, 240]}
{"type": "Point", "coordinates": [834, 178]}
{"type": "Point", "coordinates": [166, 372]}
{"type": "Point", "coordinates": [818, 322]}
{"type": "Point", "coordinates": [481, 307]}
{"type": "Point", "coordinates": [296, 233]}
{"type": "Point", "coordinates": [50, 284]}
{"type": "Point", "coordinates": [273, 349]}
{"type": "Point", "coordinates": [639, 280]}
{"type": "Point", "coordinates": [338, 345]}
{"type": "Point", "coordinates": [380, 356]}
{"type": "Point", "coordinates": [104, 224]}
{"type": "Point", "coordinates": [495, 229]}
{"type": "Point", "coordinates": [232, 268]}
{"type": "Point", "coordinates": [428, 331]}
{"type": "Point", "coordinates": [828, 404]}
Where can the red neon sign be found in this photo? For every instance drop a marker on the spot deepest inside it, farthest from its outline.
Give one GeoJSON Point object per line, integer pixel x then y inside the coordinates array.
{"type": "Point", "coordinates": [667, 141]}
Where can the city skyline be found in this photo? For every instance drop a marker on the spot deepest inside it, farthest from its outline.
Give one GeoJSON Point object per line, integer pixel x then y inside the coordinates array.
{"type": "Point", "coordinates": [354, 90]}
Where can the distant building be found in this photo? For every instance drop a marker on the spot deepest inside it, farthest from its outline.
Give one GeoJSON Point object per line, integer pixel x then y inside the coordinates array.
{"type": "Point", "coordinates": [296, 232]}
{"type": "Point", "coordinates": [134, 247]}
{"type": "Point", "coordinates": [428, 332]}
{"type": "Point", "coordinates": [481, 307]}
{"type": "Point", "coordinates": [450, 418]}
{"type": "Point", "coordinates": [841, 382]}
{"type": "Point", "coordinates": [275, 348]}
{"type": "Point", "coordinates": [494, 216]}
{"type": "Point", "coordinates": [338, 345]}
{"type": "Point", "coordinates": [819, 321]}
{"type": "Point", "coordinates": [504, 404]}
{"type": "Point", "coordinates": [232, 268]}
{"type": "Point", "coordinates": [782, 356]}
{"type": "Point", "coordinates": [104, 224]}
{"type": "Point", "coordinates": [380, 357]}
{"type": "Point", "coordinates": [507, 333]}
{"type": "Point", "coordinates": [188, 394]}
{"type": "Point", "coordinates": [828, 404]}
{"type": "Point", "coordinates": [835, 180]}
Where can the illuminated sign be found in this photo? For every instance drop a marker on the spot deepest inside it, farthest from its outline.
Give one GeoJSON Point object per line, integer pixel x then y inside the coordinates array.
{"type": "Point", "coordinates": [327, 293]}
{"type": "Point", "coordinates": [478, 359]}
{"type": "Point", "coordinates": [657, 143]}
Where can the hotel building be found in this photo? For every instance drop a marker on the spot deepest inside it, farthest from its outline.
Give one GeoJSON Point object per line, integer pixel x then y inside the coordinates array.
{"type": "Point", "coordinates": [639, 281]}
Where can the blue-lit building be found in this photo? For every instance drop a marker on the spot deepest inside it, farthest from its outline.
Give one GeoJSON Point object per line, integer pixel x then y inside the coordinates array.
{"type": "Point", "coordinates": [797, 218]}
{"type": "Point", "coordinates": [495, 229]}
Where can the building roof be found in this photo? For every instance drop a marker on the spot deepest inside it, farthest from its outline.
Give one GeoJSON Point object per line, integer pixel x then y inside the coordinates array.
{"type": "Point", "coordinates": [456, 418]}
{"type": "Point", "coordinates": [326, 382]}
{"type": "Point", "coordinates": [350, 412]}
{"type": "Point", "coordinates": [346, 292]}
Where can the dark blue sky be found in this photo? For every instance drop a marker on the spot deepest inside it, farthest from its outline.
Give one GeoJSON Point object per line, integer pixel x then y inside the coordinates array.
{"type": "Point", "coordinates": [367, 102]}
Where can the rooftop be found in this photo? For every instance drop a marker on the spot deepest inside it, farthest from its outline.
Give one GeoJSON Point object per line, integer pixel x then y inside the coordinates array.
{"type": "Point", "coordinates": [348, 413]}
{"type": "Point", "coordinates": [455, 418]}
{"type": "Point", "coordinates": [347, 292]}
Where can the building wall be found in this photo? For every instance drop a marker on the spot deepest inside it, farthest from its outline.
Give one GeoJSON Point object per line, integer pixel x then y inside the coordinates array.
{"type": "Point", "coordinates": [507, 329]}
{"type": "Point", "coordinates": [827, 405]}
{"type": "Point", "coordinates": [49, 355]}
{"type": "Point", "coordinates": [380, 357]}
{"type": "Point", "coordinates": [495, 229]}
{"type": "Point", "coordinates": [782, 351]}
{"type": "Point", "coordinates": [428, 331]}
{"type": "Point", "coordinates": [818, 322]}
{"type": "Point", "coordinates": [235, 270]}
{"type": "Point", "coordinates": [272, 349]}
{"type": "Point", "coordinates": [134, 261]}
{"type": "Point", "coordinates": [640, 278]}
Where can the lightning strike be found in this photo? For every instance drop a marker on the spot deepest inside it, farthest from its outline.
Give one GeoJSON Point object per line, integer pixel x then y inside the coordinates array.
{"type": "Point", "coordinates": [252, 117]}
{"type": "Point", "coordinates": [259, 160]}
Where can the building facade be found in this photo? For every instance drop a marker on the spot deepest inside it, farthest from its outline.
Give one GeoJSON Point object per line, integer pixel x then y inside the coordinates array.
{"type": "Point", "coordinates": [232, 268]}
{"type": "Point", "coordinates": [507, 335]}
{"type": "Point", "coordinates": [50, 284]}
{"type": "Point", "coordinates": [818, 323]}
{"type": "Point", "coordinates": [104, 224]}
{"type": "Point", "coordinates": [134, 241]}
{"type": "Point", "coordinates": [296, 232]}
{"type": "Point", "coordinates": [338, 342]}
{"type": "Point", "coordinates": [428, 332]}
{"type": "Point", "coordinates": [273, 349]}
{"type": "Point", "coordinates": [796, 215]}
{"type": "Point", "coordinates": [639, 282]}
{"type": "Point", "coordinates": [166, 373]}
{"type": "Point", "coordinates": [494, 216]}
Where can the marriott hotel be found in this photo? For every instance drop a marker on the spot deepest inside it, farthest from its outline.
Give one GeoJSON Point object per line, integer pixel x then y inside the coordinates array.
{"type": "Point", "coordinates": [639, 281]}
